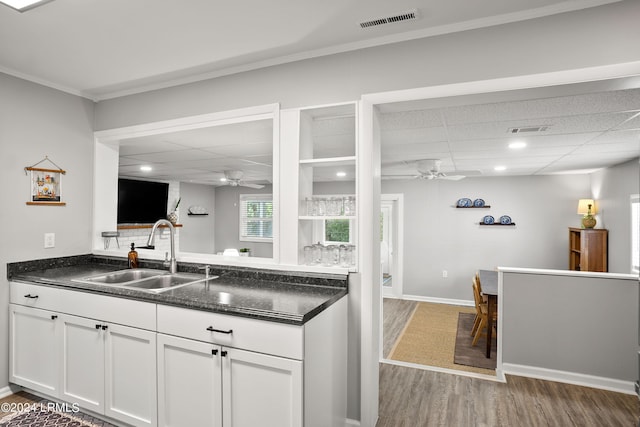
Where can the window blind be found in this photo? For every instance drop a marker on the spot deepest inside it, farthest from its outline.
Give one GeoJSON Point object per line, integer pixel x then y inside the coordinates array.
{"type": "Point", "coordinates": [256, 217]}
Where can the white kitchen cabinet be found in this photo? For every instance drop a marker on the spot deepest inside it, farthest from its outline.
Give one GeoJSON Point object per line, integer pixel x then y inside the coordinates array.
{"type": "Point", "coordinates": [202, 384]}
{"type": "Point", "coordinates": [34, 349]}
{"type": "Point", "coordinates": [189, 383]}
{"type": "Point", "coordinates": [270, 386]}
{"type": "Point", "coordinates": [82, 373]}
{"type": "Point", "coordinates": [109, 369]}
{"type": "Point", "coordinates": [130, 375]}
{"type": "Point", "coordinates": [103, 366]}
{"type": "Point", "coordinates": [252, 372]}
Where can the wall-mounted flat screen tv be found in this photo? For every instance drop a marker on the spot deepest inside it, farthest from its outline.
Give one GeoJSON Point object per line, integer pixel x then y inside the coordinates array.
{"type": "Point", "coordinates": [141, 202]}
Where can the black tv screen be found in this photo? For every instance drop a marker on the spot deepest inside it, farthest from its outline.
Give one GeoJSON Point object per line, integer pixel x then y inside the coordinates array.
{"type": "Point", "coordinates": [141, 202]}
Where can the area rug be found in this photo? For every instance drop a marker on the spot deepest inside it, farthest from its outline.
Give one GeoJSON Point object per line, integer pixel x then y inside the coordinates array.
{"type": "Point", "coordinates": [429, 338]}
{"type": "Point", "coordinates": [41, 415]}
{"type": "Point", "coordinates": [465, 353]}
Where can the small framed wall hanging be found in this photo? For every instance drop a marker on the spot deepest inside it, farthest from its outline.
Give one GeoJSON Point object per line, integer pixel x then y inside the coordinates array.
{"type": "Point", "coordinates": [45, 185]}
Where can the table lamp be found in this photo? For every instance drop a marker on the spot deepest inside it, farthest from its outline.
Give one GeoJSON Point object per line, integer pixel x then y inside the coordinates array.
{"type": "Point", "coordinates": [587, 208]}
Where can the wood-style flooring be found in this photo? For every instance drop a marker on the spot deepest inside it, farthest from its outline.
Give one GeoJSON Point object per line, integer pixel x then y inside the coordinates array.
{"type": "Point", "coordinates": [395, 315]}
{"type": "Point", "coordinates": [420, 398]}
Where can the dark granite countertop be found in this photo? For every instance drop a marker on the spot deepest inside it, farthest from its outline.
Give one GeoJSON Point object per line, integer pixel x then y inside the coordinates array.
{"type": "Point", "coordinates": [278, 296]}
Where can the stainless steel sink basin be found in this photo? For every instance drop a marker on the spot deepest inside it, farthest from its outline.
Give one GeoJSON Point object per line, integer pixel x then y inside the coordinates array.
{"type": "Point", "coordinates": [122, 277]}
{"type": "Point", "coordinates": [145, 279]}
{"type": "Point", "coordinates": [166, 282]}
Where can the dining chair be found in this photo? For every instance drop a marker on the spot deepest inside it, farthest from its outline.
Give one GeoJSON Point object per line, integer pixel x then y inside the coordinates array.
{"type": "Point", "coordinates": [481, 321]}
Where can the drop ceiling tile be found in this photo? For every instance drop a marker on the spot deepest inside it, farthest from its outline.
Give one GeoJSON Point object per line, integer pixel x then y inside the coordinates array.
{"type": "Point", "coordinates": [242, 150]}
{"type": "Point", "coordinates": [412, 136]}
{"type": "Point", "coordinates": [181, 155]}
{"type": "Point", "coordinates": [148, 145]}
{"type": "Point", "coordinates": [633, 123]}
{"type": "Point", "coordinates": [411, 119]}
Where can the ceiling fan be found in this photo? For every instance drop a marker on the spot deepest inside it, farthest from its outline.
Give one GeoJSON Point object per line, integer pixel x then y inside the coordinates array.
{"type": "Point", "coordinates": [233, 178]}
{"type": "Point", "coordinates": [430, 169]}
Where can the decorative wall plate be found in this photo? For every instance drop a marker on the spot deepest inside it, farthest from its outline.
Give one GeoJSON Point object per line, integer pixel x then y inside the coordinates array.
{"type": "Point", "coordinates": [464, 203]}
{"type": "Point", "coordinates": [505, 220]}
{"type": "Point", "coordinates": [488, 219]}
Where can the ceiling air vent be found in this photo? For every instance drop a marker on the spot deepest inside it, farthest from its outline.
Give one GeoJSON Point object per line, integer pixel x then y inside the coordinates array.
{"type": "Point", "coordinates": [528, 129]}
{"type": "Point", "coordinates": [410, 15]}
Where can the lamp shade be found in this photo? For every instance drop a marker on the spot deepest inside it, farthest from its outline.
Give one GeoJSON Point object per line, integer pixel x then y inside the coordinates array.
{"type": "Point", "coordinates": [583, 206]}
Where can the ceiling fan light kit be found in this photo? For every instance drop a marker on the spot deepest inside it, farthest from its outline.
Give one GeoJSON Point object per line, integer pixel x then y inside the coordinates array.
{"type": "Point", "coordinates": [431, 169]}
{"type": "Point", "coordinates": [233, 178]}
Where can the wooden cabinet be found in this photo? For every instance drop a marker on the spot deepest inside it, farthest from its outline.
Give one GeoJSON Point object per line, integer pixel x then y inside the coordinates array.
{"type": "Point", "coordinates": [588, 249]}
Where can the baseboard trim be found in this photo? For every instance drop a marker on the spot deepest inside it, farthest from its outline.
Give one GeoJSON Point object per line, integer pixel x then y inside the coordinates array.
{"type": "Point", "coordinates": [463, 302]}
{"type": "Point", "coordinates": [350, 422]}
{"type": "Point", "coordinates": [9, 390]}
{"type": "Point", "coordinates": [610, 384]}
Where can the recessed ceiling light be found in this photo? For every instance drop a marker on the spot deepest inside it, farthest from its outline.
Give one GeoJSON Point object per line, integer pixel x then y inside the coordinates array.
{"type": "Point", "coordinates": [341, 174]}
{"type": "Point", "coordinates": [23, 5]}
{"type": "Point", "coordinates": [146, 168]}
{"type": "Point", "coordinates": [223, 179]}
{"type": "Point", "coordinates": [500, 168]}
{"type": "Point", "coordinates": [515, 145]}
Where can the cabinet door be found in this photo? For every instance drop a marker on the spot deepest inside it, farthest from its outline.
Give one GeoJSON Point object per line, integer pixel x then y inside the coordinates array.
{"type": "Point", "coordinates": [34, 349]}
{"type": "Point", "coordinates": [130, 375]}
{"type": "Point", "coordinates": [82, 370]}
{"type": "Point", "coordinates": [189, 383]}
{"type": "Point", "coordinates": [261, 390]}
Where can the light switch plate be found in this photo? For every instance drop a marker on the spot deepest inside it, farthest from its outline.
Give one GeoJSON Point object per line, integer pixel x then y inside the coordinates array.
{"type": "Point", "coordinates": [49, 240]}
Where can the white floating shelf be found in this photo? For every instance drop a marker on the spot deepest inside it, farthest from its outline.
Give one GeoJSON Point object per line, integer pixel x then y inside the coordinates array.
{"type": "Point", "coordinates": [317, 217]}
{"type": "Point", "coordinates": [330, 161]}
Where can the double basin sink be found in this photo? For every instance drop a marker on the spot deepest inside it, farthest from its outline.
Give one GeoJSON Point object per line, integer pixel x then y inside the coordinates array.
{"type": "Point", "coordinates": [145, 279]}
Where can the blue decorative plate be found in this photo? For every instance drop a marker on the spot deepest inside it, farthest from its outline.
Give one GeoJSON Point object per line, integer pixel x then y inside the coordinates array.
{"type": "Point", "coordinates": [488, 219]}
{"type": "Point", "coordinates": [505, 220]}
{"type": "Point", "coordinates": [464, 203]}
{"type": "Point", "coordinates": [478, 203]}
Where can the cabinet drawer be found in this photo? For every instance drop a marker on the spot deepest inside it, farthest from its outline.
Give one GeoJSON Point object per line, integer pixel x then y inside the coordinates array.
{"type": "Point", "coordinates": [123, 311]}
{"type": "Point", "coordinates": [43, 297]}
{"type": "Point", "coordinates": [249, 334]}
{"type": "Point", "coordinates": [108, 309]}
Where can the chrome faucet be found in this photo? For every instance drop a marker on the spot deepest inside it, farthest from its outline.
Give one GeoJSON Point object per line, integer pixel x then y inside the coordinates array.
{"type": "Point", "coordinates": [173, 264]}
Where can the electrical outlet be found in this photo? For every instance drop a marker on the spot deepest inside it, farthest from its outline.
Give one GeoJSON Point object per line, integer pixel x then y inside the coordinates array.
{"type": "Point", "coordinates": [49, 240]}
{"type": "Point", "coordinates": [445, 273]}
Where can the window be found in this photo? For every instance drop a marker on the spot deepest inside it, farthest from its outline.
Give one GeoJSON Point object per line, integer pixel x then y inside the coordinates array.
{"type": "Point", "coordinates": [337, 231]}
{"type": "Point", "coordinates": [635, 233]}
{"type": "Point", "coordinates": [256, 217]}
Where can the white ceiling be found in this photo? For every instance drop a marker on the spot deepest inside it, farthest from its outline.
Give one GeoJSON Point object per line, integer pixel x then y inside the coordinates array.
{"type": "Point", "coordinates": [106, 48]}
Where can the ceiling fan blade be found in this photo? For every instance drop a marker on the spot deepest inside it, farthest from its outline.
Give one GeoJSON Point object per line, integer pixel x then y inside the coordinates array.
{"type": "Point", "coordinates": [466, 173]}
{"type": "Point", "coordinates": [452, 177]}
{"type": "Point", "coordinates": [244, 184]}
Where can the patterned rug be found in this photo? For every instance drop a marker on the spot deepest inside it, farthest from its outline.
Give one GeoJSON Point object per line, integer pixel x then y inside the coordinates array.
{"type": "Point", "coordinates": [43, 417]}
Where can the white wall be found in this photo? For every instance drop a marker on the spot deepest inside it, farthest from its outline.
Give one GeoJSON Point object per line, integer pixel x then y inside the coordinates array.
{"type": "Point", "coordinates": [440, 237]}
{"type": "Point", "coordinates": [612, 188]}
{"type": "Point", "coordinates": [197, 233]}
{"type": "Point", "coordinates": [35, 122]}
